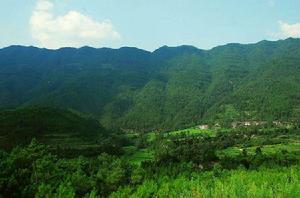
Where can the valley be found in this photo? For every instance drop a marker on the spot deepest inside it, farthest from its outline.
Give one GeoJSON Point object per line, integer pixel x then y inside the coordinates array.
{"type": "Point", "coordinates": [175, 122]}
{"type": "Point", "coordinates": [149, 99]}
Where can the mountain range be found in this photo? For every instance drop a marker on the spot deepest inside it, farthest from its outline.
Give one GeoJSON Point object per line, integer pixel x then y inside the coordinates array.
{"type": "Point", "coordinates": [169, 88]}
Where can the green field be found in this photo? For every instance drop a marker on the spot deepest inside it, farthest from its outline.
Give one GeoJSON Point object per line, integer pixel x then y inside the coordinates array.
{"type": "Point", "coordinates": [136, 156]}
{"type": "Point", "coordinates": [193, 131]}
{"type": "Point", "coordinates": [264, 181]}
{"type": "Point", "coordinates": [266, 149]}
{"type": "Point", "coordinates": [270, 144]}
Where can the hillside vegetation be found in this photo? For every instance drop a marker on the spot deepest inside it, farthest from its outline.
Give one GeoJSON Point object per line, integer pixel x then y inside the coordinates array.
{"type": "Point", "coordinates": [243, 162]}
{"type": "Point", "coordinates": [68, 133]}
{"type": "Point", "coordinates": [172, 87]}
{"type": "Point", "coordinates": [176, 122]}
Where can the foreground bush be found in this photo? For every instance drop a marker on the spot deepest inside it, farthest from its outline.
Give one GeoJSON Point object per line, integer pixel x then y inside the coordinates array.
{"type": "Point", "coordinates": [278, 182]}
{"type": "Point", "coordinates": [33, 171]}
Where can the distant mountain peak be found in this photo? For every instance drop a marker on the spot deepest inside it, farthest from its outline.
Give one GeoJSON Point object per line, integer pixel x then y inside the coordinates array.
{"type": "Point", "coordinates": [167, 52]}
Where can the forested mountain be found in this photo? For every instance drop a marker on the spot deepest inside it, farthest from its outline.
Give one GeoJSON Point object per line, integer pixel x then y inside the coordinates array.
{"type": "Point", "coordinates": [48, 125]}
{"type": "Point", "coordinates": [169, 88]}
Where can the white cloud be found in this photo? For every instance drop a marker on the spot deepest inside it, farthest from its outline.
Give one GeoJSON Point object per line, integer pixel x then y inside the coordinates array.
{"type": "Point", "coordinates": [73, 29]}
{"type": "Point", "coordinates": [44, 5]}
{"type": "Point", "coordinates": [289, 30]}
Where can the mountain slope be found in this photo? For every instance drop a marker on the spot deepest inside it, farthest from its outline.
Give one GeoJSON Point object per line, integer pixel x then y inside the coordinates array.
{"type": "Point", "coordinates": [48, 125]}
{"type": "Point", "coordinates": [172, 87]}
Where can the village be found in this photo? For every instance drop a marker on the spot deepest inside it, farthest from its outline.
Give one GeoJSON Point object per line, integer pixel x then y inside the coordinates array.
{"type": "Point", "coordinates": [248, 123]}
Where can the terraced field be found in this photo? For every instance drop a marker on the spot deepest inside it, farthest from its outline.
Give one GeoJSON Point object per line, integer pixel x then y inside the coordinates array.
{"type": "Point", "coordinates": [269, 142]}
{"type": "Point", "coordinates": [137, 156]}
{"type": "Point", "coordinates": [194, 131]}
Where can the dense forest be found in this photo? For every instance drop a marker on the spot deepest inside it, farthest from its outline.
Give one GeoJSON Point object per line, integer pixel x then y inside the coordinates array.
{"type": "Point", "coordinates": [176, 122]}
{"type": "Point", "coordinates": [170, 88]}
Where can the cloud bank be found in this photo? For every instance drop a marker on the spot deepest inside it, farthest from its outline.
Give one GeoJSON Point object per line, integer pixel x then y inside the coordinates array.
{"type": "Point", "coordinates": [289, 30]}
{"type": "Point", "coordinates": [73, 29]}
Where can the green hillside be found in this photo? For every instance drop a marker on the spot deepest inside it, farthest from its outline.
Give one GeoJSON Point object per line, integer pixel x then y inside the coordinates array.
{"type": "Point", "coordinates": [170, 88]}
{"type": "Point", "coordinates": [61, 129]}
{"type": "Point", "coordinates": [135, 91]}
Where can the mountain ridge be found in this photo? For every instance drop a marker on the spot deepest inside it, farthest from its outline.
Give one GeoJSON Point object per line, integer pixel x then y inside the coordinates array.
{"type": "Point", "coordinates": [171, 87]}
{"type": "Point", "coordinates": [183, 45]}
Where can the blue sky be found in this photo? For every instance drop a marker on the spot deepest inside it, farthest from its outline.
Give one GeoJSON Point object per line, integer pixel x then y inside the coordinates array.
{"type": "Point", "coordinates": [146, 24]}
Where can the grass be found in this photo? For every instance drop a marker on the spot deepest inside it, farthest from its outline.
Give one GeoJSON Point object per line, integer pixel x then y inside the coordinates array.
{"type": "Point", "coordinates": [134, 135]}
{"type": "Point", "coordinates": [136, 156]}
{"type": "Point", "coordinates": [150, 136]}
{"type": "Point", "coordinates": [266, 149]}
{"type": "Point", "coordinates": [194, 131]}
{"type": "Point", "coordinates": [131, 135]}
{"type": "Point", "coordinates": [267, 183]}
